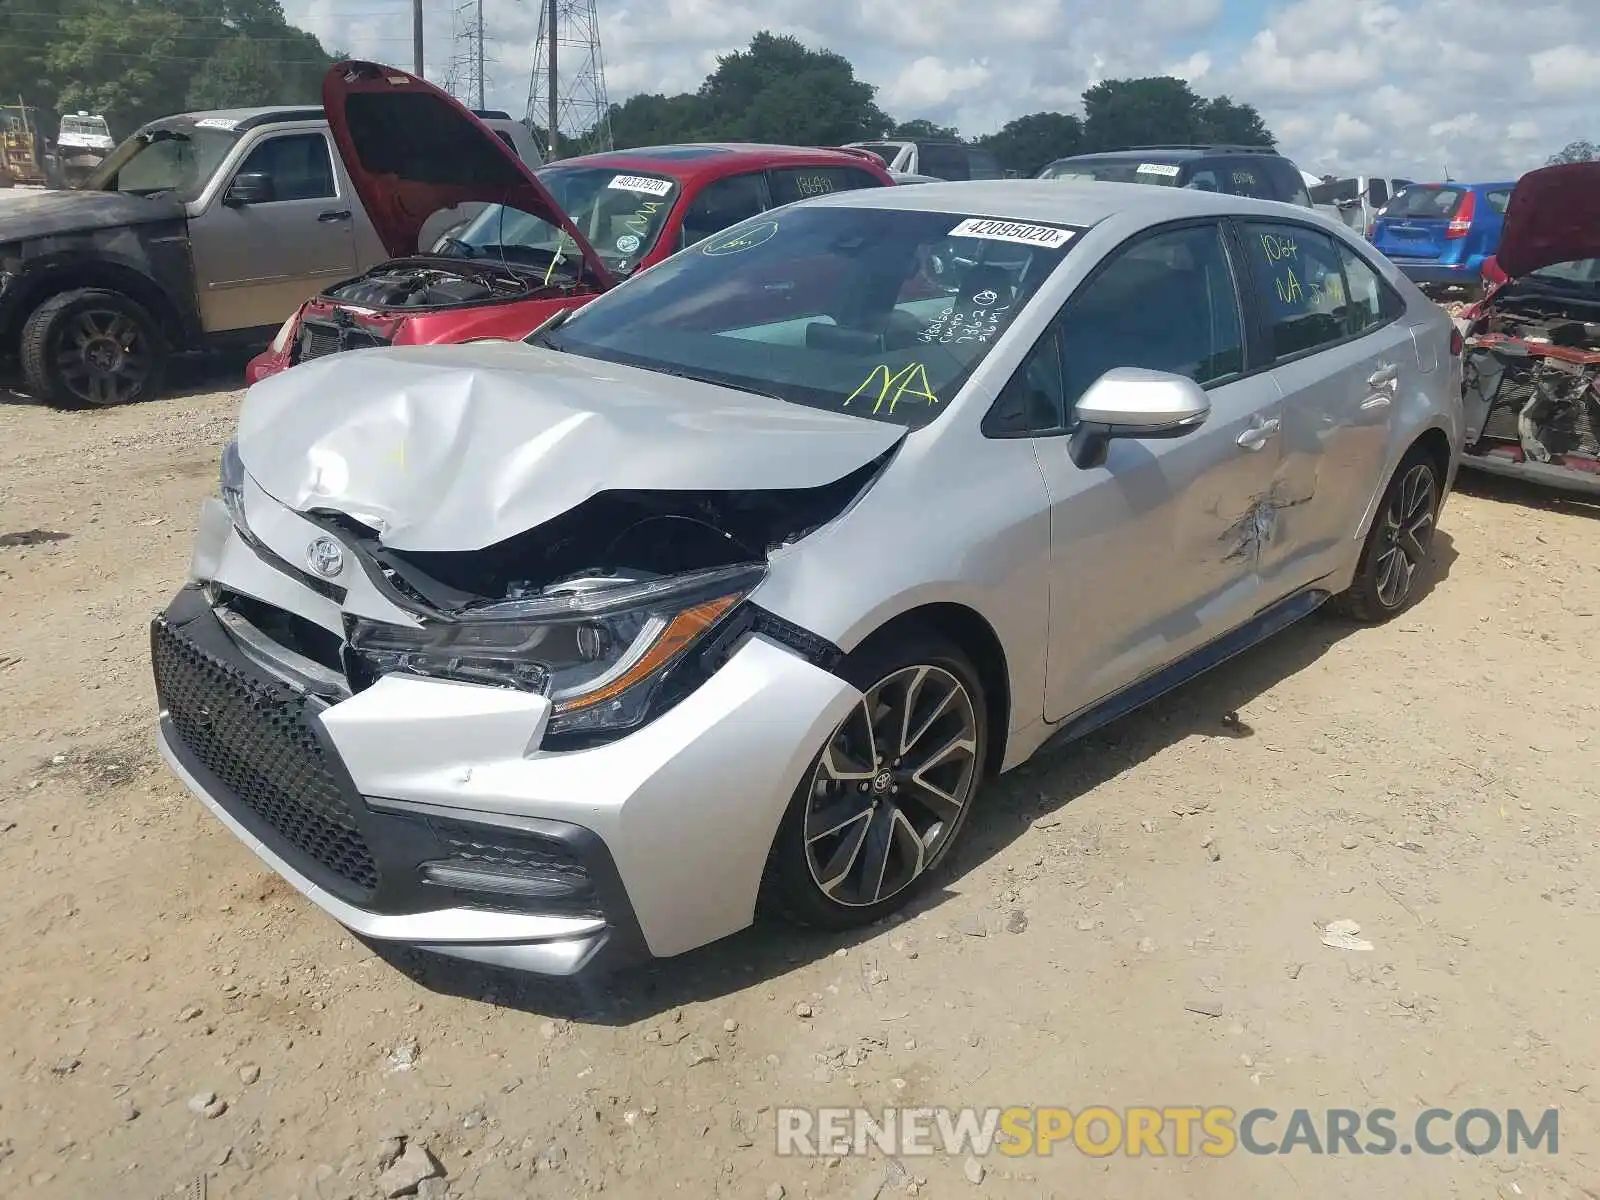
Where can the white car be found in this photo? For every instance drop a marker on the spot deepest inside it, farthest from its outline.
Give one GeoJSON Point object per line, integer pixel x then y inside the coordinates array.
{"type": "Point", "coordinates": [734, 586]}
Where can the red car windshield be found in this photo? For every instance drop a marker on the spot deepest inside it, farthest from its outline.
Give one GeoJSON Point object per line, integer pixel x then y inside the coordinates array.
{"type": "Point", "coordinates": [622, 214]}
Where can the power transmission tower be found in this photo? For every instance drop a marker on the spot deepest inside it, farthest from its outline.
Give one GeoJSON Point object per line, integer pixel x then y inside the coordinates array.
{"type": "Point", "coordinates": [567, 94]}
{"type": "Point", "coordinates": [465, 79]}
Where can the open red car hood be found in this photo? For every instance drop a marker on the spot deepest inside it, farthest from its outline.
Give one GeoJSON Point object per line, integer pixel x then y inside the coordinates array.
{"type": "Point", "coordinates": [1553, 217]}
{"type": "Point", "coordinates": [412, 150]}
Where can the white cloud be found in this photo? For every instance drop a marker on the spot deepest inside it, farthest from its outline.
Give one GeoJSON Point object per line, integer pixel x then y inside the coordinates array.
{"type": "Point", "coordinates": [1380, 86]}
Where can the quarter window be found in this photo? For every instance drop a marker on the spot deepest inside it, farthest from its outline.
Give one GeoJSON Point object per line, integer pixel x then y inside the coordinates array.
{"type": "Point", "coordinates": [1300, 281]}
{"type": "Point", "coordinates": [1366, 293]}
{"type": "Point", "coordinates": [1498, 200]}
{"type": "Point", "coordinates": [298, 164]}
{"type": "Point", "coordinates": [1033, 400]}
{"type": "Point", "coordinates": [1166, 303]}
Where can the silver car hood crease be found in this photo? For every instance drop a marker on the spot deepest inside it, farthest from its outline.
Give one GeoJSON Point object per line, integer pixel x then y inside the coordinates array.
{"type": "Point", "coordinates": [460, 447]}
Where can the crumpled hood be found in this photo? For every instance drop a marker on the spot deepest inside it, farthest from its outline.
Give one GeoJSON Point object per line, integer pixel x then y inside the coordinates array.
{"type": "Point", "coordinates": [460, 447]}
{"type": "Point", "coordinates": [410, 150]}
{"type": "Point", "coordinates": [54, 212]}
{"type": "Point", "coordinates": [1553, 217]}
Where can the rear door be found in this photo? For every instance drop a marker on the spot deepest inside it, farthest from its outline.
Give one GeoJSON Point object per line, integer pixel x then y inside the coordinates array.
{"type": "Point", "coordinates": [255, 263]}
{"type": "Point", "coordinates": [1484, 237]}
{"type": "Point", "coordinates": [1343, 360]}
{"type": "Point", "coordinates": [1417, 223]}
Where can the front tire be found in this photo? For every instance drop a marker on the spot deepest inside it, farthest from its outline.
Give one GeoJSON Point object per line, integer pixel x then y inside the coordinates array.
{"type": "Point", "coordinates": [93, 348]}
{"type": "Point", "coordinates": [1397, 545]}
{"type": "Point", "coordinates": [889, 793]}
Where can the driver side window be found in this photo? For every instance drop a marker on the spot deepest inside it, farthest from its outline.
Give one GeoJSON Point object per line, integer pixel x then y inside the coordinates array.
{"type": "Point", "coordinates": [298, 165]}
{"type": "Point", "coordinates": [721, 204]}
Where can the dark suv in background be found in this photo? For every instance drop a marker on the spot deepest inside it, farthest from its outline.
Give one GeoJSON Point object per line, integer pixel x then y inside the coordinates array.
{"type": "Point", "coordinates": [1238, 170]}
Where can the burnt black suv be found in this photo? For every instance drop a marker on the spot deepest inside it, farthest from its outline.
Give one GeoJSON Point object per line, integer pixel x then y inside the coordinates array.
{"type": "Point", "coordinates": [1257, 171]}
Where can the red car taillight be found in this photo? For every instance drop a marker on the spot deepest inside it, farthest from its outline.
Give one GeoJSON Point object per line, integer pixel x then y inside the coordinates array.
{"type": "Point", "coordinates": [1457, 342]}
{"type": "Point", "coordinates": [1462, 221]}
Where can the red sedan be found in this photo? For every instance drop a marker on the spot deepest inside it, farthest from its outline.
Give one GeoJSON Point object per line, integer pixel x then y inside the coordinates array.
{"type": "Point", "coordinates": [546, 240]}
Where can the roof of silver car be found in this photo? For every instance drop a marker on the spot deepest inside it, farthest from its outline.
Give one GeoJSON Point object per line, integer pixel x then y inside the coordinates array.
{"type": "Point", "coordinates": [1071, 202]}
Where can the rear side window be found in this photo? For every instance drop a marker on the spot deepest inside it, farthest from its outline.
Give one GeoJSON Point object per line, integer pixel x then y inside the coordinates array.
{"type": "Point", "coordinates": [1286, 180]}
{"type": "Point", "coordinates": [1427, 201]}
{"type": "Point", "coordinates": [798, 183]}
{"type": "Point", "coordinates": [1299, 279]}
{"type": "Point", "coordinates": [1498, 200]}
{"type": "Point", "coordinates": [1332, 193]}
{"type": "Point", "coordinates": [946, 162]}
{"type": "Point", "coordinates": [983, 165]}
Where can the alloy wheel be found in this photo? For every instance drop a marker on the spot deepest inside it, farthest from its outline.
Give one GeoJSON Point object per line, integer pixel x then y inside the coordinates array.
{"type": "Point", "coordinates": [1407, 531]}
{"type": "Point", "coordinates": [103, 356]}
{"type": "Point", "coordinates": [891, 786]}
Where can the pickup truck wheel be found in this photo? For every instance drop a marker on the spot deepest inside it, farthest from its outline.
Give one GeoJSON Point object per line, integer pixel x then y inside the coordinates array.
{"type": "Point", "coordinates": [92, 348]}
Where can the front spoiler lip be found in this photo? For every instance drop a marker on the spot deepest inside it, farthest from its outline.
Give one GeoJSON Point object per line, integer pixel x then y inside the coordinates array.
{"type": "Point", "coordinates": [560, 946]}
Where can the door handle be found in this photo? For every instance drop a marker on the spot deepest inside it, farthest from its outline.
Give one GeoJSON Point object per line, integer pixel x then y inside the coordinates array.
{"type": "Point", "coordinates": [1386, 376]}
{"type": "Point", "coordinates": [1258, 436]}
{"type": "Point", "coordinates": [342, 214]}
{"type": "Point", "coordinates": [1375, 402]}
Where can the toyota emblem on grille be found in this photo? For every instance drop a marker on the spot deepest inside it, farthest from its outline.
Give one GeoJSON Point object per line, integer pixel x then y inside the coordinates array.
{"type": "Point", "coordinates": [325, 558]}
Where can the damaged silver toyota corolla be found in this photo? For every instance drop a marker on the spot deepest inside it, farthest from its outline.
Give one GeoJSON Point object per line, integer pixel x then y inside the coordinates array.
{"type": "Point", "coordinates": [732, 588]}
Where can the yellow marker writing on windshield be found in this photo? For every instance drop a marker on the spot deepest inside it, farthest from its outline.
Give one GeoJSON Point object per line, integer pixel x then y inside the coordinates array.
{"type": "Point", "coordinates": [910, 381]}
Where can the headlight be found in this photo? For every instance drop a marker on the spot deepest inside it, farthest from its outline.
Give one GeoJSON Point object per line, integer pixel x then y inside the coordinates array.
{"type": "Point", "coordinates": [598, 648]}
{"type": "Point", "coordinates": [285, 334]}
{"type": "Point", "coordinates": [231, 484]}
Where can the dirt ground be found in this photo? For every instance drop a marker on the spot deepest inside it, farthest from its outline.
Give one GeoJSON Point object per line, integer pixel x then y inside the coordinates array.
{"type": "Point", "coordinates": [1433, 780]}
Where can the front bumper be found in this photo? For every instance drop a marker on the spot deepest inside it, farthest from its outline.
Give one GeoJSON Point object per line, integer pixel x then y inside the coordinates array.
{"type": "Point", "coordinates": [264, 365]}
{"type": "Point", "coordinates": [646, 847]}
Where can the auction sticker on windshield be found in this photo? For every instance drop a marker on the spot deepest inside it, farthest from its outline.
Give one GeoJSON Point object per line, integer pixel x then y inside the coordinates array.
{"type": "Point", "coordinates": [739, 240]}
{"type": "Point", "coordinates": [1166, 169]}
{"type": "Point", "coordinates": [1012, 231]}
{"type": "Point", "coordinates": [641, 183]}
{"type": "Point", "coordinates": [216, 123]}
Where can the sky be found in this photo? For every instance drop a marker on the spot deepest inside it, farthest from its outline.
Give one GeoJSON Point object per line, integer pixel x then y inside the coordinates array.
{"type": "Point", "coordinates": [1481, 89]}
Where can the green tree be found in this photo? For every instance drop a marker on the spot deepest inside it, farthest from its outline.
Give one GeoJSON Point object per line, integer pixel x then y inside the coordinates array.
{"type": "Point", "coordinates": [1133, 112]}
{"type": "Point", "coordinates": [779, 90]}
{"type": "Point", "coordinates": [1573, 152]}
{"type": "Point", "coordinates": [1221, 120]}
{"type": "Point", "coordinates": [924, 129]}
{"type": "Point", "coordinates": [651, 119]}
{"type": "Point", "coordinates": [1029, 143]}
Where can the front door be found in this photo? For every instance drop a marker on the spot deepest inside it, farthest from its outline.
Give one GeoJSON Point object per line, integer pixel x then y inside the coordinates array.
{"type": "Point", "coordinates": [1157, 551]}
{"type": "Point", "coordinates": [1344, 360]}
{"type": "Point", "coordinates": [256, 262]}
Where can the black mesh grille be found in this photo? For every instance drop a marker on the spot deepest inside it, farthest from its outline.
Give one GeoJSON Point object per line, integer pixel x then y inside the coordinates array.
{"type": "Point", "coordinates": [255, 737]}
{"type": "Point", "coordinates": [319, 338]}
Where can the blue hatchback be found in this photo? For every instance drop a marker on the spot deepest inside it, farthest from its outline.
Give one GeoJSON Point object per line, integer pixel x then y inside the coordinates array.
{"type": "Point", "coordinates": [1440, 233]}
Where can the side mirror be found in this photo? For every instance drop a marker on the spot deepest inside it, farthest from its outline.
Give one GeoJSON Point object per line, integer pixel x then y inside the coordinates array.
{"type": "Point", "coordinates": [1131, 402]}
{"type": "Point", "coordinates": [252, 187]}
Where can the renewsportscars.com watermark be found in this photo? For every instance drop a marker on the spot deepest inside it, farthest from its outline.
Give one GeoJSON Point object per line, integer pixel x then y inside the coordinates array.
{"type": "Point", "coordinates": [1100, 1131]}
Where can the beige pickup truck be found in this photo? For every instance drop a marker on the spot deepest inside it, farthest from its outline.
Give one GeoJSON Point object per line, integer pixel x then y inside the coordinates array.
{"type": "Point", "coordinates": [200, 231]}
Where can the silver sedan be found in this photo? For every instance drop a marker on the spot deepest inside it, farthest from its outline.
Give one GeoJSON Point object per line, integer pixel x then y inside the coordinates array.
{"type": "Point", "coordinates": [732, 588]}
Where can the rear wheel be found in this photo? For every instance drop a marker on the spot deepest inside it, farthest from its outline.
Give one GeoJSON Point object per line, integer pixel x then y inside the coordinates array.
{"type": "Point", "coordinates": [887, 796]}
{"type": "Point", "coordinates": [1398, 543]}
{"type": "Point", "coordinates": [93, 348]}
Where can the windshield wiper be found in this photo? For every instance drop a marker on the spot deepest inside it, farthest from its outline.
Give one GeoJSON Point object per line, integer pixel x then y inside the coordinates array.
{"type": "Point", "coordinates": [714, 382]}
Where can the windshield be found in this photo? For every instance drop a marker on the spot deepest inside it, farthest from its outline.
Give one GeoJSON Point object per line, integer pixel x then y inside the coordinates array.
{"type": "Point", "coordinates": [874, 312]}
{"type": "Point", "coordinates": [165, 160]}
{"type": "Point", "coordinates": [1428, 201]}
{"type": "Point", "coordinates": [621, 213]}
{"type": "Point", "coordinates": [1114, 170]}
